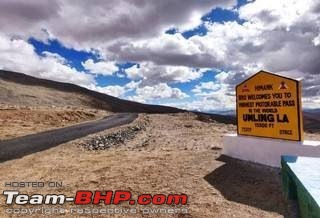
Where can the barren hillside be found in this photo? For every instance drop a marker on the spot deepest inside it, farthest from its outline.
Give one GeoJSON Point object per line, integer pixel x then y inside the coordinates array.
{"type": "Point", "coordinates": [23, 90]}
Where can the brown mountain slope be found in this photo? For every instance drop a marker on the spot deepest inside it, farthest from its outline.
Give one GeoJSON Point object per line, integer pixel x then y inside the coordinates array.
{"type": "Point", "coordinates": [311, 121]}
{"type": "Point", "coordinates": [23, 90]}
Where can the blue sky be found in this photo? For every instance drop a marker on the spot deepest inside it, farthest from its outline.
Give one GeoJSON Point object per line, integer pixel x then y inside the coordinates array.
{"type": "Point", "coordinates": [191, 56]}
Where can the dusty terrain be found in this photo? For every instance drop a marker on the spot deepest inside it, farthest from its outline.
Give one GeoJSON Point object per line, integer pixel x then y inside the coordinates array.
{"type": "Point", "coordinates": [174, 153]}
{"type": "Point", "coordinates": [23, 120]}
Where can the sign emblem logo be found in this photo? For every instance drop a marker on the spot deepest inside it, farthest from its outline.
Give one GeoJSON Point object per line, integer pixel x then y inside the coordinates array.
{"type": "Point", "coordinates": [245, 88]}
{"type": "Point", "coordinates": [283, 85]}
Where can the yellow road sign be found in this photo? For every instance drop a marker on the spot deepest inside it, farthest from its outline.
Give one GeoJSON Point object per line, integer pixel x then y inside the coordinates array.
{"type": "Point", "coordinates": [269, 105]}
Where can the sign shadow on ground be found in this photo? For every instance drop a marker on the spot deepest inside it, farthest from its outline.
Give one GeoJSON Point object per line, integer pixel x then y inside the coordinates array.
{"type": "Point", "coordinates": [252, 185]}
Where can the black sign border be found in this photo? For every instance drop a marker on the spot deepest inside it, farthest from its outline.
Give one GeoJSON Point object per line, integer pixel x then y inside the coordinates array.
{"type": "Point", "coordinates": [300, 130]}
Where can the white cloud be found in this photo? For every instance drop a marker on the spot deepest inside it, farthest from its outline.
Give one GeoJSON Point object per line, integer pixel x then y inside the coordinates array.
{"type": "Point", "coordinates": [137, 98]}
{"type": "Point", "coordinates": [311, 102]}
{"type": "Point", "coordinates": [141, 94]}
{"type": "Point", "coordinates": [101, 67]}
{"type": "Point", "coordinates": [160, 91]}
{"type": "Point", "coordinates": [204, 87]}
{"type": "Point", "coordinates": [101, 21]}
{"type": "Point", "coordinates": [165, 49]}
{"type": "Point", "coordinates": [116, 91]}
{"type": "Point", "coordinates": [18, 55]}
{"type": "Point", "coordinates": [193, 21]}
{"type": "Point", "coordinates": [279, 36]}
{"type": "Point", "coordinates": [277, 13]}
{"type": "Point", "coordinates": [132, 85]}
{"type": "Point", "coordinates": [213, 95]}
{"type": "Point", "coordinates": [150, 73]}
{"type": "Point", "coordinates": [316, 40]}
{"type": "Point", "coordinates": [133, 72]}
{"type": "Point", "coordinates": [209, 102]}
{"type": "Point", "coordinates": [106, 21]}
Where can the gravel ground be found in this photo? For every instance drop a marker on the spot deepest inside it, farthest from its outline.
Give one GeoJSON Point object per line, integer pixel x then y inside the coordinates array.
{"type": "Point", "coordinates": [171, 153]}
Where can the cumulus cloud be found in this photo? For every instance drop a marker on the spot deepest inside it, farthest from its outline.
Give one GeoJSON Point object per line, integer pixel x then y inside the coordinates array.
{"type": "Point", "coordinates": [91, 24]}
{"type": "Point", "coordinates": [205, 86]}
{"type": "Point", "coordinates": [280, 36]}
{"type": "Point", "coordinates": [280, 44]}
{"type": "Point", "coordinates": [30, 16]}
{"type": "Point", "coordinates": [316, 40]}
{"type": "Point", "coordinates": [160, 91]}
{"type": "Point", "coordinates": [101, 67]}
{"type": "Point", "coordinates": [18, 55]}
{"type": "Point", "coordinates": [167, 49]}
{"type": "Point", "coordinates": [211, 96]}
{"type": "Point", "coordinates": [143, 94]}
{"type": "Point", "coordinates": [105, 21]}
{"type": "Point", "coordinates": [150, 73]}
{"type": "Point", "coordinates": [274, 14]}
{"type": "Point", "coordinates": [311, 102]}
{"type": "Point", "coordinates": [116, 90]}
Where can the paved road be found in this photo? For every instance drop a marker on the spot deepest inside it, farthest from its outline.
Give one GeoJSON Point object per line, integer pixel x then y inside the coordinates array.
{"type": "Point", "coordinates": [19, 147]}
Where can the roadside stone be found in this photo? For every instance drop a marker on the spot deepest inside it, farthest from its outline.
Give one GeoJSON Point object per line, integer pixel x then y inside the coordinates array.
{"type": "Point", "coordinates": [112, 140]}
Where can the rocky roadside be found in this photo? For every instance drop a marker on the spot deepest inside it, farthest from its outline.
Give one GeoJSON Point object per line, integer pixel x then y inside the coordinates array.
{"type": "Point", "coordinates": [114, 139]}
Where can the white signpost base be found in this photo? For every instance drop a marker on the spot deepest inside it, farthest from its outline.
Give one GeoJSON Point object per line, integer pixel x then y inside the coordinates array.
{"type": "Point", "coordinates": [267, 151]}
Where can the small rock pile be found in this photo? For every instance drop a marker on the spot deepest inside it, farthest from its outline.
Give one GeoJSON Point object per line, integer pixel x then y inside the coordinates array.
{"type": "Point", "coordinates": [115, 139]}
